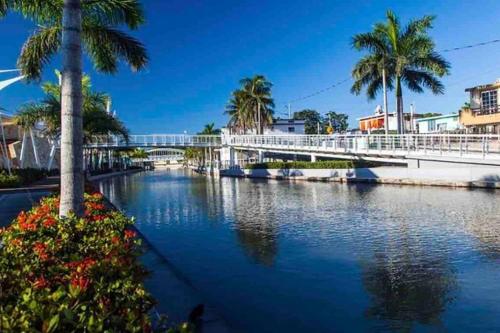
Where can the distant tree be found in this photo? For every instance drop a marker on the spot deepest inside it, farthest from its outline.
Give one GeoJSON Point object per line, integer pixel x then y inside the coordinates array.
{"type": "Point", "coordinates": [311, 118]}
{"type": "Point", "coordinates": [406, 54]}
{"type": "Point", "coordinates": [138, 153]}
{"type": "Point", "coordinates": [337, 120]}
{"type": "Point", "coordinates": [210, 129]}
{"type": "Point", "coordinates": [430, 114]}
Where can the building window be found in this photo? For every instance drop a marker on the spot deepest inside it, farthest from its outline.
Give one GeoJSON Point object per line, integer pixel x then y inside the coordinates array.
{"type": "Point", "coordinates": [291, 129]}
{"type": "Point", "coordinates": [441, 127]}
{"type": "Point", "coordinates": [489, 101]}
{"type": "Point", "coordinates": [431, 126]}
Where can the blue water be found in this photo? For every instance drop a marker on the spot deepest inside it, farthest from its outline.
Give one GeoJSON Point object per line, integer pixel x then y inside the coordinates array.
{"type": "Point", "coordinates": [275, 256]}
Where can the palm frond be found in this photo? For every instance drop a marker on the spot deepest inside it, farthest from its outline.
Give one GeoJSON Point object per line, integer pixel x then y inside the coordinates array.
{"type": "Point", "coordinates": [38, 50]}
{"type": "Point", "coordinates": [107, 45]}
{"type": "Point", "coordinates": [114, 12]}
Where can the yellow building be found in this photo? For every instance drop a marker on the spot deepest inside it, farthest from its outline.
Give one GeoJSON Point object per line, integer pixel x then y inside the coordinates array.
{"type": "Point", "coordinates": [483, 113]}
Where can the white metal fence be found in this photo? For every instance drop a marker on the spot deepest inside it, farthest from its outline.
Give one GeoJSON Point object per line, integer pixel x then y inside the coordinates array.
{"type": "Point", "coordinates": [472, 146]}
{"type": "Point", "coordinates": [451, 145]}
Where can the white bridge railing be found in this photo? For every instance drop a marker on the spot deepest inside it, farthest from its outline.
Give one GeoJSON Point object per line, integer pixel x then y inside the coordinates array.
{"type": "Point", "coordinates": [156, 140]}
{"type": "Point", "coordinates": [452, 145]}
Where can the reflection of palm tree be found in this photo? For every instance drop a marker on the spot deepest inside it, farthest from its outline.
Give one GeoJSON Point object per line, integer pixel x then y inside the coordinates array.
{"type": "Point", "coordinates": [258, 241]}
{"type": "Point", "coordinates": [255, 228]}
{"type": "Point", "coordinates": [408, 289]}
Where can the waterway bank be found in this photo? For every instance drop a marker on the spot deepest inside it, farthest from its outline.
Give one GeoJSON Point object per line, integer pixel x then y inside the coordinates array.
{"type": "Point", "coordinates": [467, 177]}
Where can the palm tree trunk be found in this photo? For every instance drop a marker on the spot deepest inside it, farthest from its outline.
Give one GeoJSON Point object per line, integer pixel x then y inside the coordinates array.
{"type": "Point", "coordinates": [399, 106]}
{"type": "Point", "coordinates": [259, 119]}
{"type": "Point", "coordinates": [71, 107]}
{"type": "Point", "coordinates": [386, 111]}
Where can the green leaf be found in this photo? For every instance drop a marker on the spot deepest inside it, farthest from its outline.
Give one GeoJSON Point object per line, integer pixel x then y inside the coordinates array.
{"type": "Point", "coordinates": [53, 323]}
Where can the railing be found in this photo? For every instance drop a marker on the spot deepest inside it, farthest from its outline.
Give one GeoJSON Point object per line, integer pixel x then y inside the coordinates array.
{"type": "Point", "coordinates": [486, 110]}
{"type": "Point", "coordinates": [156, 140]}
{"type": "Point", "coordinates": [451, 145]}
{"type": "Point", "coordinates": [473, 146]}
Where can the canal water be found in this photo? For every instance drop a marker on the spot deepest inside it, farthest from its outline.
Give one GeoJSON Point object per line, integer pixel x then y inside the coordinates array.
{"type": "Point", "coordinates": [274, 256]}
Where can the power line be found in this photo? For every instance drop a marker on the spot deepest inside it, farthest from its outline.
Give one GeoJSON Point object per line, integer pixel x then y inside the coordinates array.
{"type": "Point", "coordinates": [471, 46]}
{"type": "Point", "coordinates": [318, 92]}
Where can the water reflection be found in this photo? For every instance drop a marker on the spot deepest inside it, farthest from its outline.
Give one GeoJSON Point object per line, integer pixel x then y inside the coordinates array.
{"type": "Point", "coordinates": [255, 225]}
{"type": "Point", "coordinates": [353, 257]}
{"type": "Point", "coordinates": [408, 287]}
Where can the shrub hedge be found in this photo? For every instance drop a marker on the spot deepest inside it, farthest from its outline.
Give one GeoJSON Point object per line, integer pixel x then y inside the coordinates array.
{"type": "Point", "coordinates": [304, 165]}
{"type": "Point", "coordinates": [22, 177]}
{"type": "Point", "coordinates": [72, 274]}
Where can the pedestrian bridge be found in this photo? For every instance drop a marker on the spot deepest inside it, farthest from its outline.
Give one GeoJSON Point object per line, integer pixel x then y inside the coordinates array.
{"type": "Point", "coordinates": [484, 149]}
{"type": "Point", "coordinates": [161, 155]}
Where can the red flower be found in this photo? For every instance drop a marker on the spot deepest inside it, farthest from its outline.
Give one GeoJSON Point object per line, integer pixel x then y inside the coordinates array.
{"type": "Point", "coordinates": [115, 240]}
{"type": "Point", "coordinates": [16, 242]}
{"type": "Point", "coordinates": [40, 249]}
{"type": "Point", "coordinates": [130, 234]}
{"type": "Point", "coordinates": [40, 283]}
{"type": "Point", "coordinates": [21, 218]}
{"type": "Point", "coordinates": [80, 282]}
{"type": "Point", "coordinates": [49, 222]}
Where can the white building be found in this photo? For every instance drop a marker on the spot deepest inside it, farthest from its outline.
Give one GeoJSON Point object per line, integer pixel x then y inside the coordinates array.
{"type": "Point", "coordinates": [286, 126]}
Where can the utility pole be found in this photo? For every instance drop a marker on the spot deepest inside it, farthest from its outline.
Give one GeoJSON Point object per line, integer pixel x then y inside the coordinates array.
{"type": "Point", "coordinates": [412, 111]}
{"type": "Point", "coordinates": [289, 111]}
{"type": "Point", "coordinates": [386, 112]}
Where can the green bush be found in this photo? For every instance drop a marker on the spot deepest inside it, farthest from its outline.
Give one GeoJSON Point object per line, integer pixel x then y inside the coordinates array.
{"type": "Point", "coordinates": [72, 274]}
{"type": "Point", "coordinates": [304, 165]}
{"type": "Point", "coordinates": [21, 177]}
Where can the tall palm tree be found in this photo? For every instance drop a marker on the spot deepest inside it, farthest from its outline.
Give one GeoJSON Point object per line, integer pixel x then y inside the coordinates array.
{"type": "Point", "coordinates": [406, 55]}
{"type": "Point", "coordinates": [65, 25]}
{"type": "Point", "coordinates": [258, 101]}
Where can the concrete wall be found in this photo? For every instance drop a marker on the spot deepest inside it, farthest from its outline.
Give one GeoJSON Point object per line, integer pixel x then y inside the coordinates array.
{"type": "Point", "coordinates": [464, 174]}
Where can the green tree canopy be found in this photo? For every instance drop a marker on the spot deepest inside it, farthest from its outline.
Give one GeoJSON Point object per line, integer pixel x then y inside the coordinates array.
{"type": "Point", "coordinates": [96, 119]}
{"type": "Point", "coordinates": [251, 104]}
{"type": "Point", "coordinates": [311, 118]}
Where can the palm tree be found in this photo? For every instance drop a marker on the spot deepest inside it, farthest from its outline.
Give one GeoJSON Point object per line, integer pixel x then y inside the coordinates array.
{"type": "Point", "coordinates": [257, 100]}
{"type": "Point", "coordinates": [96, 119]}
{"type": "Point", "coordinates": [239, 117]}
{"type": "Point", "coordinates": [66, 25]}
{"type": "Point", "coordinates": [404, 54]}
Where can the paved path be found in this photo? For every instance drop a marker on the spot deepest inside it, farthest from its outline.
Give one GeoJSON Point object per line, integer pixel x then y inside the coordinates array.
{"type": "Point", "coordinates": [12, 203]}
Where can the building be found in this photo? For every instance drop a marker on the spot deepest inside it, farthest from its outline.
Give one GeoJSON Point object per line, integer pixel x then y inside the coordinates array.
{"type": "Point", "coordinates": [376, 122]}
{"type": "Point", "coordinates": [439, 124]}
{"type": "Point", "coordinates": [286, 126]}
{"type": "Point", "coordinates": [483, 113]}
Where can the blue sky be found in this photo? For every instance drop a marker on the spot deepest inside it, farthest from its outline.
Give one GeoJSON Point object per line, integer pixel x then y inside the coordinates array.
{"type": "Point", "coordinates": [199, 51]}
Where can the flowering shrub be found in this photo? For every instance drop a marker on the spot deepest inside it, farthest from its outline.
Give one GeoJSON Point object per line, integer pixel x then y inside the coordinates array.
{"type": "Point", "coordinates": [72, 274]}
